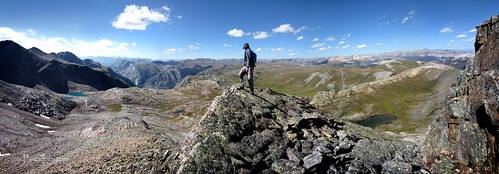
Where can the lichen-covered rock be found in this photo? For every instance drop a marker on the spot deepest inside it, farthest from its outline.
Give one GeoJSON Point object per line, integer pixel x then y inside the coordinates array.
{"type": "Point", "coordinates": [45, 104]}
{"type": "Point", "coordinates": [464, 137]}
{"type": "Point", "coordinates": [271, 132]}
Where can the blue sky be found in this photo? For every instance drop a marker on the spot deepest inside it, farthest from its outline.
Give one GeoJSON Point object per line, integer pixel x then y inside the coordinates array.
{"type": "Point", "coordinates": [179, 29]}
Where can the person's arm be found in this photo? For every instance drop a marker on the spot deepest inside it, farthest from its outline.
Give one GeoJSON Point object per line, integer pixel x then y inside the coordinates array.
{"type": "Point", "coordinates": [245, 59]}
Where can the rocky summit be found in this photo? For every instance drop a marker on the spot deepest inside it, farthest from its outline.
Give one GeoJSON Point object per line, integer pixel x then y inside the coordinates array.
{"type": "Point", "coordinates": [464, 137]}
{"type": "Point", "coordinates": [271, 132]}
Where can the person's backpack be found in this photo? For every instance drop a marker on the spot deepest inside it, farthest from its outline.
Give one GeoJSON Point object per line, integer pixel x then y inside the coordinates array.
{"type": "Point", "coordinates": [253, 55]}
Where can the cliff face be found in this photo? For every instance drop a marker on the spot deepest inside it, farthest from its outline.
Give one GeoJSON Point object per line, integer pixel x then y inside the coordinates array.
{"type": "Point", "coordinates": [276, 133]}
{"type": "Point", "coordinates": [464, 137]}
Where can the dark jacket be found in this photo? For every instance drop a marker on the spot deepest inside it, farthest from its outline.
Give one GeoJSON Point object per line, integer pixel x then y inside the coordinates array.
{"type": "Point", "coordinates": [248, 60]}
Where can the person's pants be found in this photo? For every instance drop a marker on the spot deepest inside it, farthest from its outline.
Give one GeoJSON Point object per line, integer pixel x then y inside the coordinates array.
{"type": "Point", "coordinates": [247, 70]}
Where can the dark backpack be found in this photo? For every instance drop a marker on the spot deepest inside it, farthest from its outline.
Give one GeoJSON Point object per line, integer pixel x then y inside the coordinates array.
{"type": "Point", "coordinates": [253, 55]}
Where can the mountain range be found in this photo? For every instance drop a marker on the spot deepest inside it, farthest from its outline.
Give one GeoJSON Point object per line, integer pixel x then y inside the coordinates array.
{"type": "Point", "coordinates": [59, 72]}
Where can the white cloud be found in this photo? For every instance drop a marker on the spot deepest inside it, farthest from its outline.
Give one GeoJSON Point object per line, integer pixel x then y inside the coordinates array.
{"type": "Point", "coordinates": [315, 39]}
{"type": "Point", "coordinates": [277, 49]}
{"type": "Point", "coordinates": [406, 19]}
{"type": "Point", "coordinates": [299, 38]}
{"type": "Point", "coordinates": [472, 30]}
{"type": "Point", "coordinates": [170, 51]}
{"type": "Point", "coordinates": [446, 30]}
{"type": "Point", "coordinates": [287, 28]}
{"type": "Point", "coordinates": [180, 17]}
{"type": "Point", "coordinates": [410, 15]}
{"type": "Point", "coordinates": [33, 32]}
{"type": "Point", "coordinates": [452, 40]}
{"type": "Point", "coordinates": [82, 48]}
{"type": "Point", "coordinates": [283, 28]}
{"type": "Point", "coordinates": [330, 38]}
{"type": "Point", "coordinates": [470, 40]}
{"type": "Point", "coordinates": [380, 44]}
{"type": "Point", "coordinates": [227, 45]}
{"type": "Point", "coordinates": [260, 35]}
{"type": "Point", "coordinates": [258, 49]}
{"type": "Point", "coordinates": [461, 36]}
{"type": "Point", "coordinates": [362, 46]}
{"type": "Point", "coordinates": [193, 47]}
{"type": "Point", "coordinates": [236, 33]}
{"type": "Point", "coordinates": [317, 45]}
{"type": "Point", "coordinates": [324, 48]}
{"type": "Point", "coordinates": [348, 35]}
{"type": "Point", "coordinates": [345, 47]}
{"type": "Point", "coordinates": [341, 42]}
{"type": "Point", "coordinates": [139, 17]}
{"type": "Point", "coordinates": [292, 54]}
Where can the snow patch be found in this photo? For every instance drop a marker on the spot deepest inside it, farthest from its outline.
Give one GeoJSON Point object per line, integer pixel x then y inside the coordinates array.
{"type": "Point", "coordinates": [51, 131]}
{"type": "Point", "coordinates": [42, 126]}
{"type": "Point", "coordinates": [41, 115]}
{"type": "Point", "coordinates": [4, 154]}
{"type": "Point", "coordinates": [10, 104]}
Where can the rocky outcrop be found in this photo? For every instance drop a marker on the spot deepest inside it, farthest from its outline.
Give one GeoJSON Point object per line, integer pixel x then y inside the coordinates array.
{"type": "Point", "coordinates": [464, 137]}
{"type": "Point", "coordinates": [271, 132]}
{"type": "Point", "coordinates": [45, 104]}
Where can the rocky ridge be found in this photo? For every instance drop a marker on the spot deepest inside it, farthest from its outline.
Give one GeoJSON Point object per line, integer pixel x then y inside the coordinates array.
{"type": "Point", "coordinates": [464, 137]}
{"type": "Point", "coordinates": [271, 132]}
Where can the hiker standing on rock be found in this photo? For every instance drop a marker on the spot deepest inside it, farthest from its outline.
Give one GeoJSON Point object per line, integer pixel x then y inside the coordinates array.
{"type": "Point", "coordinates": [249, 66]}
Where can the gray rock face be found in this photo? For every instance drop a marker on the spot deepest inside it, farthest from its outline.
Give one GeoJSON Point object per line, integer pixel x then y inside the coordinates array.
{"type": "Point", "coordinates": [44, 104]}
{"type": "Point", "coordinates": [464, 137]}
{"type": "Point", "coordinates": [275, 133]}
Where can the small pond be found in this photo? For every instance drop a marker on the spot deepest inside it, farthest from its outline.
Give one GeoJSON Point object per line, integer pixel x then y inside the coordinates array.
{"type": "Point", "coordinates": [376, 120]}
{"type": "Point", "coordinates": [77, 94]}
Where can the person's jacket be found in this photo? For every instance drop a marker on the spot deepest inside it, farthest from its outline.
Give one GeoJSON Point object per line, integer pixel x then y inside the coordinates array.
{"type": "Point", "coordinates": [248, 60]}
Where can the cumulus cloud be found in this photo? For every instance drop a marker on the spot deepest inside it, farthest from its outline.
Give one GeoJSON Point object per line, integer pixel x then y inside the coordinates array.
{"type": "Point", "coordinates": [470, 40]}
{"type": "Point", "coordinates": [180, 17]}
{"type": "Point", "coordinates": [446, 30]}
{"type": "Point", "coordinates": [324, 48]}
{"type": "Point", "coordinates": [299, 38]}
{"type": "Point", "coordinates": [345, 47]}
{"type": "Point", "coordinates": [330, 38]}
{"type": "Point", "coordinates": [170, 51]}
{"type": "Point", "coordinates": [236, 33]}
{"type": "Point", "coordinates": [82, 48]}
{"type": "Point", "coordinates": [317, 45]}
{"type": "Point", "coordinates": [258, 49]}
{"type": "Point", "coordinates": [380, 44]}
{"type": "Point", "coordinates": [277, 49]}
{"type": "Point", "coordinates": [193, 47]}
{"type": "Point", "coordinates": [472, 30]}
{"type": "Point", "coordinates": [341, 42]}
{"type": "Point", "coordinates": [260, 35]}
{"type": "Point", "coordinates": [227, 45]}
{"type": "Point", "coordinates": [292, 54]}
{"type": "Point", "coordinates": [461, 35]}
{"type": "Point", "coordinates": [136, 17]}
{"type": "Point", "coordinates": [287, 28]}
{"type": "Point", "coordinates": [362, 46]}
{"type": "Point", "coordinates": [315, 39]}
{"type": "Point", "coordinates": [412, 12]}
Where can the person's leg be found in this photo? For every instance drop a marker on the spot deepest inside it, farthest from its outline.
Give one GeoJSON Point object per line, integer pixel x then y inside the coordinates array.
{"type": "Point", "coordinates": [241, 74]}
{"type": "Point", "coordinates": [250, 79]}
